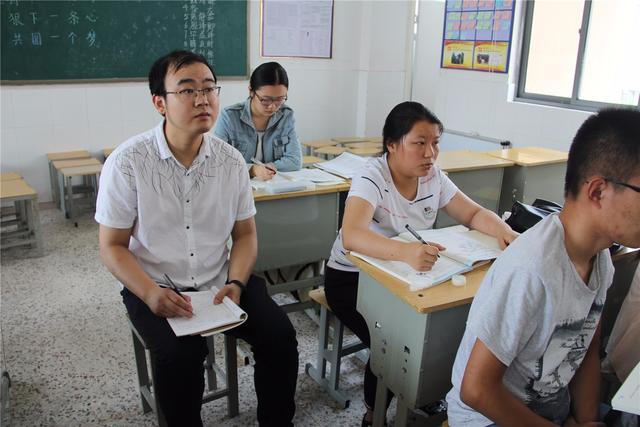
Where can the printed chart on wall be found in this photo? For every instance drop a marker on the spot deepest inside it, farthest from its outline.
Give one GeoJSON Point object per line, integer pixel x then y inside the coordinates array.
{"type": "Point", "coordinates": [477, 35]}
{"type": "Point", "coordinates": [297, 28]}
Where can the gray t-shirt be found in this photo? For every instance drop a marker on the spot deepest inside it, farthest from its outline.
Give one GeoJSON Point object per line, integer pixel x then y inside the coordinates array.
{"type": "Point", "coordinates": [537, 316]}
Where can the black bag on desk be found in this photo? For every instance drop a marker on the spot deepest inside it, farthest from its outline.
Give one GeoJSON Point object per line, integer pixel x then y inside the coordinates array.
{"type": "Point", "coordinates": [524, 216]}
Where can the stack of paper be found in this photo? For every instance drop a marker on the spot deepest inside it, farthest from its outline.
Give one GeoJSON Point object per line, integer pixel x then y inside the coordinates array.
{"type": "Point", "coordinates": [281, 183]}
{"type": "Point", "coordinates": [317, 176]}
{"type": "Point", "coordinates": [345, 165]}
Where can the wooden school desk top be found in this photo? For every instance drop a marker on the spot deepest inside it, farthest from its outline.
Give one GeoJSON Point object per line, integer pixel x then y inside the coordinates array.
{"type": "Point", "coordinates": [531, 156]}
{"type": "Point", "coordinates": [259, 196]}
{"type": "Point", "coordinates": [464, 160]}
{"type": "Point", "coordinates": [436, 298]}
{"type": "Point", "coordinates": [65, 155]}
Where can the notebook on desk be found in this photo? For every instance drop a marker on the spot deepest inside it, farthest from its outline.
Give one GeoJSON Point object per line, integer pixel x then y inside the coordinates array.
{"type": "Point", "coordinates": [345, 165]}
{"type": "Point", "coordinates": [208, 319]}
{"type": "Point", "coordinates": [627, 399]}
{"type": "Point", "coordinates": [466, 250]}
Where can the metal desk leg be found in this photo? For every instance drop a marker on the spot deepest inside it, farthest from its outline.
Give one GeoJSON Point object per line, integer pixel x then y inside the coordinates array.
{"type": "Point", "coordinates": [71, 211]}
{"type": "Point", "coordinates": [55, 187]}
{"type": "Point", "coordinates": [33, 220]}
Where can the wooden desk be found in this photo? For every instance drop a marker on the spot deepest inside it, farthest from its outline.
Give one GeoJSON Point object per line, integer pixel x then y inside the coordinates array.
{"type": "Point", "coordinates": [91, 177]}
{"type": "Point", "coordinates": [330, 152]}
{"type": "Point", "coordinates": [309, 161]}
{"type": "Point", "coordinates": [366, 151]}
{"type": "Point", "coordinates": [477, 175]}
{"type": "Point", "coordinates": [57, 166]}
{"type": "Point", "coordinates": [297, 228]}
{"type": "Point", "coordinates": [62, 155]}
{"type": "Point", "coordinates": [311, 146]}
{"type": "Point", "coordinates": [346, 139]}
{"type": "Point", "coordinates": [106, 152]}
{"type": "Point", "coordinates": [10, 176]}
{"type": "Point", "coordinates": [414, 335]}
{"type": "Point", "coordinates": [25, 200]}
{"type": "Point", "coordinates": [367, 144]}
{"type": "Point", "coordinates": [538, 173]}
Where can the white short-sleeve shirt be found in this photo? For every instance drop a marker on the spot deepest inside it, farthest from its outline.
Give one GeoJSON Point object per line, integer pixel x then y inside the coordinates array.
{"type": "Point", "coordinates": [181, 218]}
{"type": "Point", "coordinates": [392, 211]}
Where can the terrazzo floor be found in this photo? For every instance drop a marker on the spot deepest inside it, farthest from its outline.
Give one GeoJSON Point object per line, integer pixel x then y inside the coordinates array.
{"type": "Point", "coordinates": [67, 347]}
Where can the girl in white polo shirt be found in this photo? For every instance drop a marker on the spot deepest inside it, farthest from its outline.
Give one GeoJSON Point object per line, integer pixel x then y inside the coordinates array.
{"type": "Point", "coordinates": [403, 186]}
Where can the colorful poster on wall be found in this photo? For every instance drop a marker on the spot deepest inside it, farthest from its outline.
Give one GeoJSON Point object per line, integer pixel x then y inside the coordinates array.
{"type": "Point", "coordinates": [477, 35]}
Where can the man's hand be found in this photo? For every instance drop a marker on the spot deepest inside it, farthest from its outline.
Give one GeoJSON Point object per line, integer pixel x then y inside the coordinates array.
{"type": "Point", "coordinates": [165, 302]}
{"type": "Point", "coordinates": [231, 290]}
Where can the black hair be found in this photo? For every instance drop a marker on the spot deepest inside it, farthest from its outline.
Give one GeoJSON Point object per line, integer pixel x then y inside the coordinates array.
{"type": "Point", "coordinates": [402, 118]}
{"type": "Point", "coordinates": [174, 60]}
{"type": "Point", "coordinates": [268, 74]}
{"type": "Point", "coordinates": [607, 144]}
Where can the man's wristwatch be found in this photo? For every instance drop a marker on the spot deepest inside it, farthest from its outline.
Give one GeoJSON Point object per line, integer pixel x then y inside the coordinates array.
{"type": "Point", "coordinates": [241, 285]}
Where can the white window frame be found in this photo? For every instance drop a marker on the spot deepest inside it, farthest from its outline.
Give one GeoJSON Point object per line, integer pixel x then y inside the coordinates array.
{"type": "Point", "coordinates": [558, 101]}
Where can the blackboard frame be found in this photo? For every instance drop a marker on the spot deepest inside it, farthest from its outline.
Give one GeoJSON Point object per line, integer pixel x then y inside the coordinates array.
{"type": "Point", "coordinates": [141, 79]}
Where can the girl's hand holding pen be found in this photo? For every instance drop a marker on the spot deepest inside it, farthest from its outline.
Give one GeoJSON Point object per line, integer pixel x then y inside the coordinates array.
{"type": "Point", "coordinates": [421, 256]}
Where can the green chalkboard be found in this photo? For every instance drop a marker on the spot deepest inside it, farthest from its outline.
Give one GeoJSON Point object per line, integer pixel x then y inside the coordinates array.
{"type": "Point", "coordinates": [88, 40]}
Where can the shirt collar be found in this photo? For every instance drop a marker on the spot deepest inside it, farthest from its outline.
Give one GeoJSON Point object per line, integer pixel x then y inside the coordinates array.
{"type": "Point", "coordinates": [206, 150]}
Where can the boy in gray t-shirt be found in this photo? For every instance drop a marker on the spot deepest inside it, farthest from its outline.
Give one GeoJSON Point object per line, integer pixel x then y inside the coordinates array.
{"type": "Point", "coordinates": [529, 355]}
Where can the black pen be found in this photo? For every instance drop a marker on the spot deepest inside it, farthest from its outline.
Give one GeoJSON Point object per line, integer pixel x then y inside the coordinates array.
{"type": "Point", "coordinates": [172, 285]}
{"type": "Point", "coordinates": [417, 236]}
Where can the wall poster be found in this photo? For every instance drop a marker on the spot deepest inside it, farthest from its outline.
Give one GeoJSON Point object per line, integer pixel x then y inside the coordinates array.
{"type": "Point", "coordinates": [477, 35]}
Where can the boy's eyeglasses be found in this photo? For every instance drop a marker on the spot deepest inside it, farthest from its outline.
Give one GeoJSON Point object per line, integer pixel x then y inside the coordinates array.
{"type": "Point", "coordinates": [624, 184]}
{"type": "Point", "coordinates": [192, 94]}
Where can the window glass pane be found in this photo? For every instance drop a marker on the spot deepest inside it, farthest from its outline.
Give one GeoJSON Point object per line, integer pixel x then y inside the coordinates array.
{"type": "Point", "coordinates": [611, 70]}
{"type": "Point", "coordinates": [554, 47]}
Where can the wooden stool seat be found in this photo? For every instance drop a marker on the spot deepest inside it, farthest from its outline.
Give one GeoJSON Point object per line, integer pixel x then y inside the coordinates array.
{"type": "Point", "coordinates": [308, 161]}
{"type": "Point", "coordinates": [10, 176]}
{"type": "Point", "coordinates": [149, 399]}
{"type": "Point", "coordinates": [330, 354]}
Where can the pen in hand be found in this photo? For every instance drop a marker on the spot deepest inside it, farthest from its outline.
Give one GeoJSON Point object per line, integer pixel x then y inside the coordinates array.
{"type": "Point", "coordinates": [172, 285]}
{"type": "Point", "coordinates": [258, 162]}
{"type": "Point", "coordinates": [417, 236]}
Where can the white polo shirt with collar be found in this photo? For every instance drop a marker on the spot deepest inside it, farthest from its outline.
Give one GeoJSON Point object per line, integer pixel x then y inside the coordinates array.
{"type": "Point", "coordinates": [181, 218]}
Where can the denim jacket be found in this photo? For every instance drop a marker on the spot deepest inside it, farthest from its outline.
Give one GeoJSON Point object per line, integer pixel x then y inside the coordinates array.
{"type": "Point", "coordinates": [280, 144]}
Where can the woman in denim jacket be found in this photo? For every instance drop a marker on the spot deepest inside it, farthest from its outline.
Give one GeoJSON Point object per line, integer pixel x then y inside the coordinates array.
{"type": "Point", "coordinates": [262, 128]}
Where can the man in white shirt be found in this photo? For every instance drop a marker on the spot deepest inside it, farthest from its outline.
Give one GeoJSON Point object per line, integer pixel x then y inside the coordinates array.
{"type": "Point", "coordinates": [169, 200]}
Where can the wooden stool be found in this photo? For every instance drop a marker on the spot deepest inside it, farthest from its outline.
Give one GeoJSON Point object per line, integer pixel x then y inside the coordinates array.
{"type": "Point", "coordinates": [25, 200]}
{"type": "Point", "coordinates": [149, 399]}
{"type": "Point", "coordinates": [53, 177]}
{"type": "Point", "coordinates": [330, 354]}
{"type": "Point", "coordinates": [91, 176]}
{"type": "Point", "coordinates": [330, 152]}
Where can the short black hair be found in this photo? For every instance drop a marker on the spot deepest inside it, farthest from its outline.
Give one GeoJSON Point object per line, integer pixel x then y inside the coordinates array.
{"type": "Point", "coordinates": [607, 144]}
{"type": "Point", "coordinates": [174, 60]}
{"type": "Point", "coordinates": [268, 74]}
{"type": "Point", "coordinates": [402, 118]}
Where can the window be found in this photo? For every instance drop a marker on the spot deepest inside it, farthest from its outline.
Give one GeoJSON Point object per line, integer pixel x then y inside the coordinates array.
{"type": "Point", "coordinates": [581, 53]}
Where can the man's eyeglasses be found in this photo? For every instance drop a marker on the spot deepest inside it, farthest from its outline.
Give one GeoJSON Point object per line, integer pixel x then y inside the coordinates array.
{"type": "Point", "coordinates": [192, 94]}
{"type": "Point", "coordinates": [624, 184]}
{"type": "Point", "coordinates": [268, 100]}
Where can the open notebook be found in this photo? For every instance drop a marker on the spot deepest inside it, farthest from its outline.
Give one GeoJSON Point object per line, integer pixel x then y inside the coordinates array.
{"type": "Point", "coordinates": [466, 250]}
{"type": "Point", "coordinates": [627, 398]}
{"type": "Point", "coordinates": [208, 319]}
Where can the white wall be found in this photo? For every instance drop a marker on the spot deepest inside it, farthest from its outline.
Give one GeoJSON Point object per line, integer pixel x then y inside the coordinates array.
{"type": "Point", "coordinates": [473, 101]}
{"type": "Point", "coordinates": [348, 94]}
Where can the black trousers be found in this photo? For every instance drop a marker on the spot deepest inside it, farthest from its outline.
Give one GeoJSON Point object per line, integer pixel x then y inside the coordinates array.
{"type": "Point", "coordinates": [341, 290]}
{"type": "Point", "coordinates": [179, 369]}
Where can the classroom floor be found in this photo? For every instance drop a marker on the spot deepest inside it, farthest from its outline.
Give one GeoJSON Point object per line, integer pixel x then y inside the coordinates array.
{"type": "Point", "coordinates": [68, 350]}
